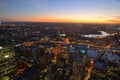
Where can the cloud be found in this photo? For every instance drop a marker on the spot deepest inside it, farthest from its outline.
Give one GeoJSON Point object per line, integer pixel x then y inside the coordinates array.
{"type": "Point", "coordinates": [117, 17]}
{"type": "Point", "coordinates": [113, 17]}
{"type": "Point", "coordinates": [114, 21]}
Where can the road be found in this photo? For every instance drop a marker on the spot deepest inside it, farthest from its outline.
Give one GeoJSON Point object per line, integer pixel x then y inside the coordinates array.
{"type": "Point", "coordinates": [29, 73]}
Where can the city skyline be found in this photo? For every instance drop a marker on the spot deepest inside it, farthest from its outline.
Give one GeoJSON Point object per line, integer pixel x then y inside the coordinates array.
{"type": "Point", "coordinates": [83, 11]}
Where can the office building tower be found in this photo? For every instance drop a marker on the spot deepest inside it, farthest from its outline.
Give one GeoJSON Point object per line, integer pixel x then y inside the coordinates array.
{"type": "Point", "coordinates": [7, 63]}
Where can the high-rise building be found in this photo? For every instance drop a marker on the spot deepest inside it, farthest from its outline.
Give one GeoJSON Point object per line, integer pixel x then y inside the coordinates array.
{"type": "Point", "coordinates": [7, 63]}
{"type": "Point", "coordinates": [79, 60]}
{"type": "Point", "coordinates": [63, 57]}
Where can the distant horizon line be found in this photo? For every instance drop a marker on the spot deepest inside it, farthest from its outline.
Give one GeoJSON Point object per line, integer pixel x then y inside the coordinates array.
{"type": "Point", "coordinates": [55, 22]}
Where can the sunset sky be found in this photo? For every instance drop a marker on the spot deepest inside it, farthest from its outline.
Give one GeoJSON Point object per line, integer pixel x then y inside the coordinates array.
{"type": "Point", "coordinates": [83, 11]}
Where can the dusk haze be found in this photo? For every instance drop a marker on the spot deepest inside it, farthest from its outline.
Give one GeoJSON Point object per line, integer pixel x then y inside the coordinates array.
{"type": "Point", "coordinates": [59, 39]}
{"type": "Point", "coordinates": [80, 11]}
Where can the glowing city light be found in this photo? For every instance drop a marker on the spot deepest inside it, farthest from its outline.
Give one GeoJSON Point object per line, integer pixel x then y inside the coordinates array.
{"type": "Point", "coordinates": [0, 47]}
{"type": "Point", "coordinates": [6, 56]}
{"type": "Point", "coordinates": [83, 51]}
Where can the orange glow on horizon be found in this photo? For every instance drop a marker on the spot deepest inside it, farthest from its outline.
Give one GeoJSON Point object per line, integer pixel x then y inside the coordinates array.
{"type": "Point", "coordinates": [72, 20]}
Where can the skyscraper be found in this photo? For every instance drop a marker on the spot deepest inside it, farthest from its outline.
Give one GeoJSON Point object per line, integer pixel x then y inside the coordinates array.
{"type": "Point", "coordinates": [7, 63]}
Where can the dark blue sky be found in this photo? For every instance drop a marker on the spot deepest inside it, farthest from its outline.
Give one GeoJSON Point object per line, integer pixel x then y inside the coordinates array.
{"type": "Point", "coordinates": [60, 10]}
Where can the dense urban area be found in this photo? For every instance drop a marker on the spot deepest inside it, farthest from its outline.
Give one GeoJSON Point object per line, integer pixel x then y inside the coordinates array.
{"type": "Point", "coordinates": [59, 51]}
